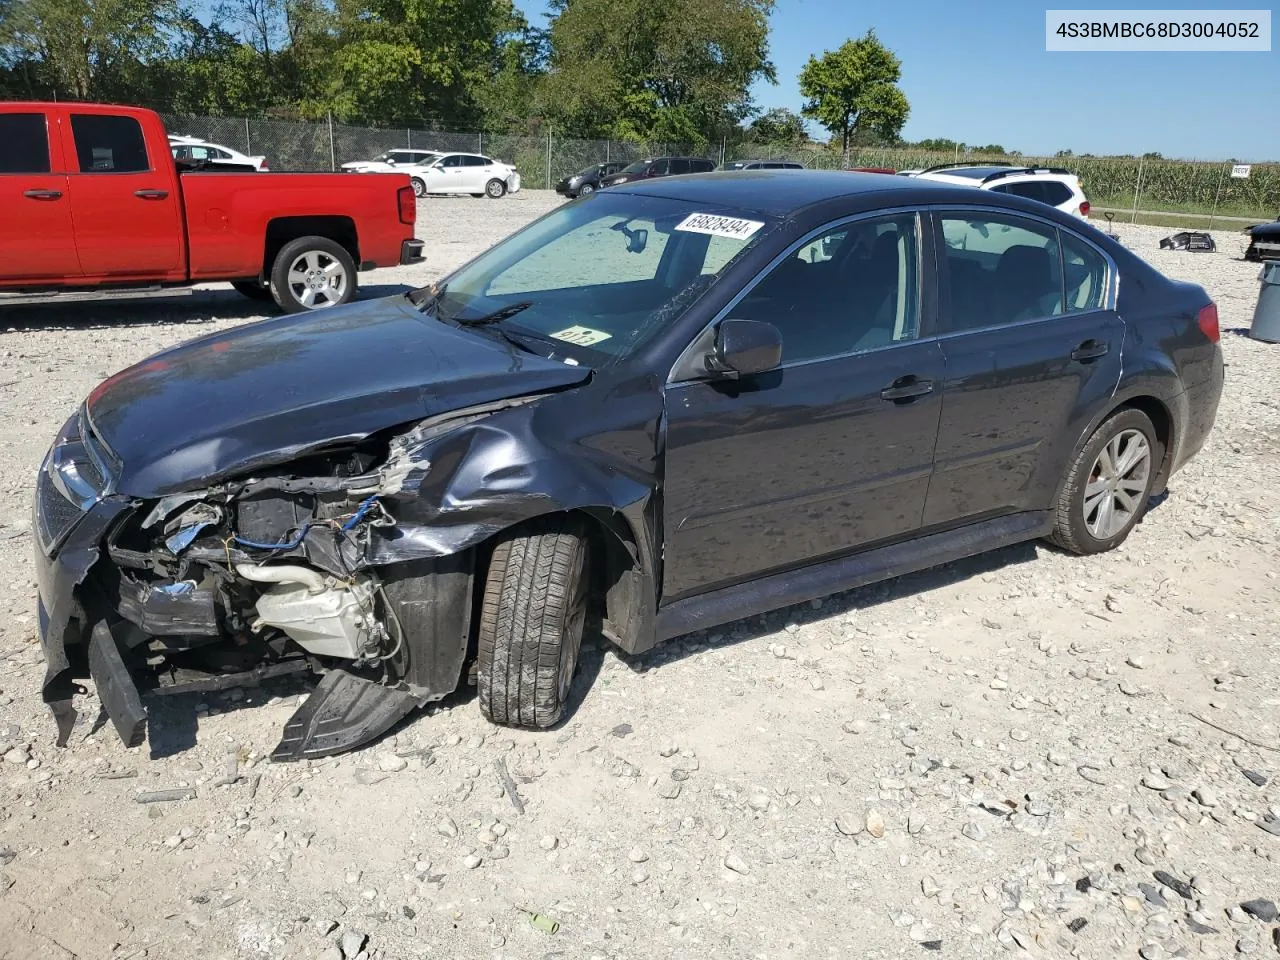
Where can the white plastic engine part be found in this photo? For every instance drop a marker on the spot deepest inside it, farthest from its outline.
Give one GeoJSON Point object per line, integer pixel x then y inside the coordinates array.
{"type": "Point", "coordinates": [329, 622]}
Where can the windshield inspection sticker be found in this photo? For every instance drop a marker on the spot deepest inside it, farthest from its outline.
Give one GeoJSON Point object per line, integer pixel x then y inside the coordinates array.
{"type": "Point", "coordinates": [581, 336]}
{"type": "Point", "coordinates": [719, 226]}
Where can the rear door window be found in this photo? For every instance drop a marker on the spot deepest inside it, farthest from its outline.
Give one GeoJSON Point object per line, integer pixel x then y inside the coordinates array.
{"type": "Point", "coordinates": [109, 144]}
{"type": "Point", "coordinates": [1000, 270]}
{"type": "Point", "coordinates": [24, 143]}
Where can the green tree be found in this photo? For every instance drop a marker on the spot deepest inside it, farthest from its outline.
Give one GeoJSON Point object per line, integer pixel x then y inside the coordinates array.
{"type": "Point", "coordinates": [90, 49]}
{"type": "Point", "coordinates": [637, 69]}
{"type": "Point", "coordinates": [855, 88]}
{"type": "Point", "coordinates": [779, 125]}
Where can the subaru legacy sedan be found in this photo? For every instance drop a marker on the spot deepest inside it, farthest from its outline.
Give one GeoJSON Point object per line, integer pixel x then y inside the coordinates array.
{"type": "Point", "coordinates": [658, 408]}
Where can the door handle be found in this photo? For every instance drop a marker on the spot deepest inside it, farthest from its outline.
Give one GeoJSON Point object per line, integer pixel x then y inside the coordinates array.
{"type": "Point", "coordinates": [42, 194]}
{"type": "Point", "coordinates": [151, 194]}
{"type": "Point", "coordinates": [907, 388]}
{"type": "Point", "coordinates": [1090, 350]}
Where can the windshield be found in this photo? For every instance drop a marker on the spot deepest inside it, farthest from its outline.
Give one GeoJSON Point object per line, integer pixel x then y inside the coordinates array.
{"type": "Point", "coordinates": [640, 166]}
{"type": "Point", "coordinates": [596, 280]}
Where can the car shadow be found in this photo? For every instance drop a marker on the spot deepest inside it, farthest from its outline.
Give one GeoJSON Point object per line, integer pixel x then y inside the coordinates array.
{"type": "Point", "coordinates": [173, 721]}
{"type": "Point", "coordinates": [197, 309]}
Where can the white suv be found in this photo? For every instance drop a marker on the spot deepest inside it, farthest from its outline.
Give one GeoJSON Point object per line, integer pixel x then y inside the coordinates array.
{"type": "Point", "coordinates": [1052, 185]}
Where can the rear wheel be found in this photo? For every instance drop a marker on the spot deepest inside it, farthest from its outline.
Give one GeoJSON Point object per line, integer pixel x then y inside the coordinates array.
{"type": "Point", "coordinates": [531, 622]}
{"type": "Point", "coordinates": [312, 273]}
{"type": "Point", "coordinates": [253, 289]}
{"type": "Point", "coordinates": [1107, 486]}
{"type": "Point", "coordinates": [495, 188]}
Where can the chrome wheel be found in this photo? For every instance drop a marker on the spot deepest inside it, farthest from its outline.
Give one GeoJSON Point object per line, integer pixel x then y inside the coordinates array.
{"type": "Point", "coordinates": [585, 189]}
{"type": "Point", "coordinates": [419, 188]}
{"type": "Point", "coordinates": [318, 280]}
{"type": "Point", "coordinates": [1117, 484]}
{"type": "Point", "coordinates": [495, 189]}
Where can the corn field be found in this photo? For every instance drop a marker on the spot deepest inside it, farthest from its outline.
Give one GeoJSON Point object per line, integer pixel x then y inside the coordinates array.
{"type": "Point", "coordinates": [1195, 189]}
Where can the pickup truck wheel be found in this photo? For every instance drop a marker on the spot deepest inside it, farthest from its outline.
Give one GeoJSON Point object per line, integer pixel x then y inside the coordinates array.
{"type": "Point", "coordinates": [531, 622]}
{"type": "Point", "coordinates": [253, 289]}
{"type": "Point", "coordinates": [495, 188]}
{"type": "Point", "coordinates": [419, 188]}
{"type": "Point", "coordinates": [312, 273]}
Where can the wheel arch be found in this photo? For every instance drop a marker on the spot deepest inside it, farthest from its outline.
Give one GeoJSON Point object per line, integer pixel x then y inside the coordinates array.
{"type": "Point", "coordinates": [1159, 408]}
{"type": "Point", "coordinates": [282, 230]}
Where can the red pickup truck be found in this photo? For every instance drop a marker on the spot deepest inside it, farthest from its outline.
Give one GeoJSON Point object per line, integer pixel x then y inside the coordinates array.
{"type": "Point", "coordinates": [93, 204]}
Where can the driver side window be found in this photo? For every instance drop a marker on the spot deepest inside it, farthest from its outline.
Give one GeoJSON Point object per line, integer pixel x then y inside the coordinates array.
{"type": "Point", "coordinates": [451, 162]}
{"type": "Point", "coordinates": [853, 288]}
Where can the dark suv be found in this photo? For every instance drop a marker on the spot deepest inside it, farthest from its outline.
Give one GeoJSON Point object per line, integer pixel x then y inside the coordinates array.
{"type": "Point", "coordinates": [588, 180]}
{"type": "Point", "coordinates": [659, 167]}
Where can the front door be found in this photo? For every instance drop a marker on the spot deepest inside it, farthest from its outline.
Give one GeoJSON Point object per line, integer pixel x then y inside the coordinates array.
{"type": "Point", "coordinates": [128, 220]}
{"type": "Point", "coordinates": [1031, 347]}
{"type": "Point", "coordinates": [37, 240]}
{"type": "Point", "coordinates": [833, 451]}
{"type": "Point", "coordinates": [446, 175]}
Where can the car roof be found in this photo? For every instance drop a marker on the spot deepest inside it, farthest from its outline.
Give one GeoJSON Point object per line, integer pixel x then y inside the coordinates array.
{"type": "Point", "coordinates": [792, 190]}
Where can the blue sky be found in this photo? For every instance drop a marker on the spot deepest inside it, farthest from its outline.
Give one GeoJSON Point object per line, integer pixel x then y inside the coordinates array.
{"type": "Point", "coordinates": [978, 73]}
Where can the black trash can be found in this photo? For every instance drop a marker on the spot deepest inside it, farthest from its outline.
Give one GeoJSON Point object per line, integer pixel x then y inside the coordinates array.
{"type": "Point", "coordinates": [1266, 315]}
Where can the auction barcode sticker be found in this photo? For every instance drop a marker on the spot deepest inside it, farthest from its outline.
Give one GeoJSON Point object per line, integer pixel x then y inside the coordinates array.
{"type": "Point", "coordinates": [719, 226]}
{"type": "Point", "coordinates": [1235, 31]}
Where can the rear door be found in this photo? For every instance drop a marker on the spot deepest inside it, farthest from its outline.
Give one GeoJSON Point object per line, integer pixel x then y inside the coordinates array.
{"type": "Point", "coordinates": [37, 240]}
{"type": "Point", "coordinates": [1032, 345]}
{"type": "Point", "coordinates": [477, 172]}
{"type": "Point", "coordinates": [128, 218]}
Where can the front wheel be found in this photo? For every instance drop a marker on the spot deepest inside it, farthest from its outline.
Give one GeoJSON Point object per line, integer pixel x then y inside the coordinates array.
{"type": "Point", "coordinates": [419, 188]}
{"type": "Point", "coordinates": [312, 273]}
{"type": "Point", "coordinates": [531, 622]}
{"type": "Point", "coordinates": [585, 189]}
{"type": "Point", "coordinates": [495, 188]}
{"type": "Point", "coordinates": [1107, 486]}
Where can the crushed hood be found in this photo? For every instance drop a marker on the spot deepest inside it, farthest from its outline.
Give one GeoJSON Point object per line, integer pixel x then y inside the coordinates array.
{"type": "Point", "coordinates": [266, 392]}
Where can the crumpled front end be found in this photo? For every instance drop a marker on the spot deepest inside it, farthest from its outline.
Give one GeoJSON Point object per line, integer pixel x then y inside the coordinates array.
{"type": "Point", "coordinates": [356, 563]}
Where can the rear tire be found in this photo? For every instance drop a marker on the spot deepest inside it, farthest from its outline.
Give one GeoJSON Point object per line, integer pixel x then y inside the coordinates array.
{"type": "Point", "coordinates": [312, 273]}
{"type": "Point", "coordinates": [253, 289]}
{"type": "Point", "coordinates": [1107, 486]}
{"type": "Point", "coordinates": [531, 622]}
{"type": "Point", "coordinates": [495, 189]}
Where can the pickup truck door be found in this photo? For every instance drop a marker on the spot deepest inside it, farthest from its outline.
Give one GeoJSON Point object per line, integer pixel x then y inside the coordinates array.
{"type": "Point", "coordinates": [37, 240]}
{"type": "Point", "coordinates": [124, 197]}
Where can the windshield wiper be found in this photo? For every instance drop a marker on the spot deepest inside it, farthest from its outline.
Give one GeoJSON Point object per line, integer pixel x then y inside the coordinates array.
{"type": "Point", "coordinates": [502, 313]}
{"type": "Point", "coordinates": [424, 299]}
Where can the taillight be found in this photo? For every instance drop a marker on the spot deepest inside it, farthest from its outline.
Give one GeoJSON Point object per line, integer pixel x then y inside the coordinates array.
{"type": "Point", "coordinates": [1084, 209]}
{"type": "Point", "coordinates": [408, 205]}
{"type": "Point", "coordinates": [1207, 318]}
{"type": "Point", "coordinates": [264, 166]}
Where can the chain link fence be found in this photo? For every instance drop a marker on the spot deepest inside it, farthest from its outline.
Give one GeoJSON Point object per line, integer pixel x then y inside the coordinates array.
{"type": "Point", "coordinates": [1128, 187]}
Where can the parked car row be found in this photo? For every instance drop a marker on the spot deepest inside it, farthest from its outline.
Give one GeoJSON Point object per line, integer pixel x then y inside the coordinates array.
{"type": "Point", "coordinates": [432, 172]}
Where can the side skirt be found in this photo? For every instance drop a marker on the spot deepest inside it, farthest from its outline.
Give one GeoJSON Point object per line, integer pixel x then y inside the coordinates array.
{"type": "Point", "coordinates": [844, 573]}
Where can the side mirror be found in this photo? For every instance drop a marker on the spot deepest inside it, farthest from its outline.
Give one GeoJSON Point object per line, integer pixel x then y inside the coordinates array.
{"type": "Point", "coordinates": [744, 347]}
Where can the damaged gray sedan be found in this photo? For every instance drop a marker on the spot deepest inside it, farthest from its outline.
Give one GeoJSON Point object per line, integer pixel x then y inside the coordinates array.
{"type": "Point", "coordinates": [662, 407]}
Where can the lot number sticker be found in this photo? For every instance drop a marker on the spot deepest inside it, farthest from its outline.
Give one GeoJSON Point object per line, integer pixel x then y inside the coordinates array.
{"type": "Point", "coordinates": [719, 226]}
{"type": "Point", "coordinates": [581, 336]}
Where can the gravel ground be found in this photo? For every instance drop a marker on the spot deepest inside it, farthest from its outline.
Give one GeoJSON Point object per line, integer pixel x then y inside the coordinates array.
{"type": "Point", "coordinates": [1020, 753]}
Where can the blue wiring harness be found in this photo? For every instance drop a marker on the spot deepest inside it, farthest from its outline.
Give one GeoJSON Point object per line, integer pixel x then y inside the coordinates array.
{"type": "Point", "coordinates": [296, 542]}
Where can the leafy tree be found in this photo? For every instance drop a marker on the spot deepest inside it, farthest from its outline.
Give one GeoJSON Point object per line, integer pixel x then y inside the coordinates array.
{"type": "Point", "coordinates": [89, 49]}
{"type": "Point", "coordinates": [643, 70]}
{"type": "Point", "coordinates": [855, 88]}
{"type": "Point", "coordinates": [779, 125]}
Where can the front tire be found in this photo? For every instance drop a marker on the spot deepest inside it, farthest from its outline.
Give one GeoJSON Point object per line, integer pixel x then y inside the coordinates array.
{"type": "Point", "coordinates": [585, 189]}
{"type": "Point", "coordinates": [419, 187]}
{"type": "Point", "coordinates": [312, 273]}
{"type": "Point", "coordinates": [495, 189]}
{"type": "Point", "coordinates": [1107, 486]}
{"type": "Point", "coordinates": [531, 622]}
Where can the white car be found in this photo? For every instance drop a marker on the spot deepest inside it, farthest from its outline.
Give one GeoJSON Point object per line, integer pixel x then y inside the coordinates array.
{"type": "Point", "coordinates": [467, 173]}
{"type": "Point", "coordinates": [193, 148]}
{"type": "Point", "coordinates": [1052, 185]}
{"type": "Point", "coordinates": [393, 161]}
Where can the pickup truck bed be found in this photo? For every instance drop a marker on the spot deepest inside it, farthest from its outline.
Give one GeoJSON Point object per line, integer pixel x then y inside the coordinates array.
{"type": "Point", "coordinates": [93, 202]}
